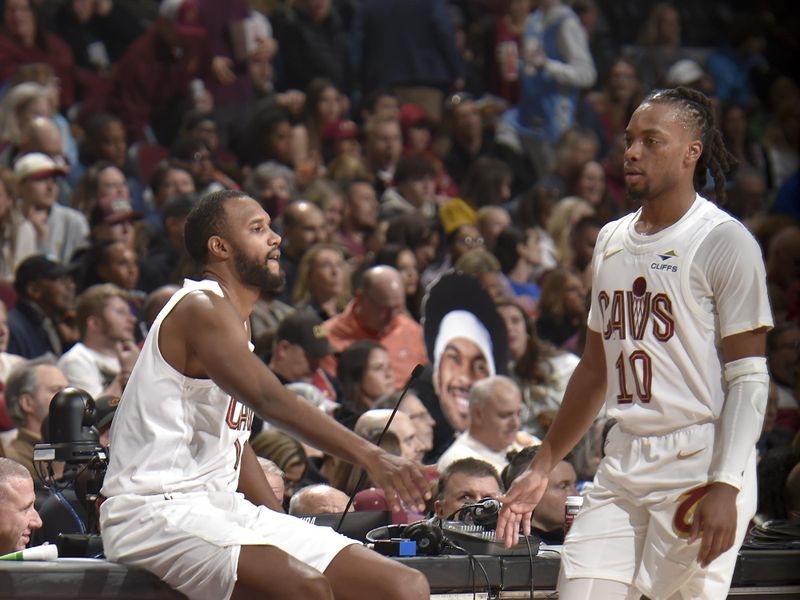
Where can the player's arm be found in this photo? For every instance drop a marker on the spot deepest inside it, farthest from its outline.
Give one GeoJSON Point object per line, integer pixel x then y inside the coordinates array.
{"type": "Point", "coordinates": [253, 483]}
{"type": "Point", "coordinates": [731, 262]}
{"type": "Point", "coordinates": [217, 341]}
{"type": "Point", "coordinates": [582, 401]}
{"type": "Point", "coordinates": [737, 432]}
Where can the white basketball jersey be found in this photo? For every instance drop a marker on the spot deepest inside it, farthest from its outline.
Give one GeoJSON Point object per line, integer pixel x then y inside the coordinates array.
{"type": "Point", "coordinates": [173, 433]}
{"type": "Point", "coordinates": [661, 309]}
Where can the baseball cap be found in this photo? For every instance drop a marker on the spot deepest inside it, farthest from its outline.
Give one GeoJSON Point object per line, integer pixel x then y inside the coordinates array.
{"type": "Point", "coordinates": [184, 13]}
{"type": "Point", "coordinates": [684, 72]}
{"type": "Point", "coordinates": [111, 212]}
{"type": "Point", "coordinates": [304, 328]}
{"type": "Point", "coordinates": [340, 129]}
{"type": "Point", "coordinates": [413, 115]}
{"type": "Point", "coordinates": [37, 267]}
{"type": "Point", "coordinates": [104, 409]}
{"type": "Point", "coordinates": [36, 163]}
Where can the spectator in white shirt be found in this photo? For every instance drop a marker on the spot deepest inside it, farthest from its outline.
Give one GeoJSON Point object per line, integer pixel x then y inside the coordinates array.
{"type": "Point", "coordinates": [495, 404]}
{"type": "Point", "coordinates": [102, 361]}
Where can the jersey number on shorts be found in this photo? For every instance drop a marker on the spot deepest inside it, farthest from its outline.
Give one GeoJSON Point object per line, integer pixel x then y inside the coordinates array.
{"type": "Point", "coordinates": [641, 371]}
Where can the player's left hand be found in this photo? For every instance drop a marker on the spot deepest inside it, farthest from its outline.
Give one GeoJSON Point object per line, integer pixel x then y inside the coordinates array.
{"type": "Point", "coordinates": [402, 480]}
{"type": "Point", "coordinates": [714, 522]}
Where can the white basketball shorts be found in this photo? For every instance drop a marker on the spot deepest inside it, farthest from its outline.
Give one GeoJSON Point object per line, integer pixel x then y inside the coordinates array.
{"type": "Point", "coordinates": [635, 521]}
{"type": "Point", "coordinates": [192, 541]}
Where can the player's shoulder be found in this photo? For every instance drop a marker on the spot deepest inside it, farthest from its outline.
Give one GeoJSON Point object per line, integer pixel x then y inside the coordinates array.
{"type": "Point", "coordinates": [727, 230]}
{"type": "Point", "coordinates": [202, 302]}
{"type": "Point", "coordinates": [617, 226]}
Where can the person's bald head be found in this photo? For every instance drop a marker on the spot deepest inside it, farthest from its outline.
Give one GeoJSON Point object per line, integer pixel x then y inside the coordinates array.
{"type": "Point", "coordinates": [380, 298]}
{"type": "Point", "coordinates": [155, 301]}
{"type": "Point", "coordinates": [371, 420]}
{"type": "Point", "coordinates": [41, 134]}
{"type": "Point", "coordinates": [303, 226]}
{"type": "Point", "coordinates": [318, 500]}
{"type": "Point", "coordinates": [402, 427]}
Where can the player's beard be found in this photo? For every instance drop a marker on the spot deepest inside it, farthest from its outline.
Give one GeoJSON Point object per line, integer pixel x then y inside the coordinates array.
{"type": "Point", "coordinates": [636, 196]}
{"type": "Point", "coordinates": [257, 274]}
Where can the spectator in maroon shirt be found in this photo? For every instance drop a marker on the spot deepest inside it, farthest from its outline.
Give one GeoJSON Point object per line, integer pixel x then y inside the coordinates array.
{"type": "Point", "coordinates": [24, 41]}
{"type": "Point", "coordinates": [150, 85]}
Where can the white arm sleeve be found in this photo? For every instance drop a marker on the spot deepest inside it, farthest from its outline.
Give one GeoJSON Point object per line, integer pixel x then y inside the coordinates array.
{"type": "Point", "coordinates": [739, 425]}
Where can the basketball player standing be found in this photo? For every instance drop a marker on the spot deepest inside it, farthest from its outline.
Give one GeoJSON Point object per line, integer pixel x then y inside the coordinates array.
{"type": "Point", "coordinates": [675, 348]}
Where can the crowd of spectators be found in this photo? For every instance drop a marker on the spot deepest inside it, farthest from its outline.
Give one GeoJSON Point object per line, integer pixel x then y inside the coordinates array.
{"type": "Point", "coordinates": [391, 142]}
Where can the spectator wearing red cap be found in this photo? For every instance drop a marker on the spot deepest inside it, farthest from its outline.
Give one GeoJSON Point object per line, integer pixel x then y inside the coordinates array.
{"type": "Point", "coordinates": [113, 219]}
{"type": "Point", "coordinates": [339, 138]}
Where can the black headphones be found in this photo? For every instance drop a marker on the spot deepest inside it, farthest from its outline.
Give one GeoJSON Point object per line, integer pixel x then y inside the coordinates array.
{"type": "Point", "coordinates": [426, 533]}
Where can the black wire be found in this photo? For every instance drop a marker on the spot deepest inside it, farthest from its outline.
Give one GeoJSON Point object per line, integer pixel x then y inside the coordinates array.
{"type": "Point", "coordinates": [472, 572]}
{"type": "Point", "coordinates": [416, 372]}
{"type": "Point", "coordinates": [530, 557]}
{"type": "Point", "coordinates": [472, 558]}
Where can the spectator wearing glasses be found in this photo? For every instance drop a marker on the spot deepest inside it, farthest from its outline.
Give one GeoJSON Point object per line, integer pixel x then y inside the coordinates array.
{"type": "Point", "coordinates": [459, 240]}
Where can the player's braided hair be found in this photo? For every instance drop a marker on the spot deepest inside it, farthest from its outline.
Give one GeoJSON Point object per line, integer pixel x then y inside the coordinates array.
{"type": "Point", "coordinates": [697, 109]}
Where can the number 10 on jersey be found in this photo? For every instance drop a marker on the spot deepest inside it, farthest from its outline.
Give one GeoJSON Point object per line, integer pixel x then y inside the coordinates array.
{"type": "Point", "coordinates": [635, 375]}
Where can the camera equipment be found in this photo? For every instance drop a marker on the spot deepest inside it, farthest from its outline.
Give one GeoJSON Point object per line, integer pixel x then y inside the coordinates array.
{"type": "Point", "coordinates": [73, 439]}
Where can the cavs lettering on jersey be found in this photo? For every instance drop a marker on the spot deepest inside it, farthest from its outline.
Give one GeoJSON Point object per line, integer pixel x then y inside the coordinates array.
{"type": "Point", "coordinates": [173, 433]}
{"type": "Point", "coordinates": [654, 304]}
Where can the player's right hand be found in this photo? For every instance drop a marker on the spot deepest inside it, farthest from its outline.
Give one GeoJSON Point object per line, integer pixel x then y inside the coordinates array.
{"type": "Point", "coordinates": [518, 504]}
{"type": "Point", "coordinates": [401, 479]}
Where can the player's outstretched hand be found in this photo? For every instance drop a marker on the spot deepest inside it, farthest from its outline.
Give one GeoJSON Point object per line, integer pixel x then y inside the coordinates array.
{"type": "Point", "coordinates": [714, 522]}
{"type": "Point", "coordinates": [518, 504]}
{"type": "Point", "coordinates": [402, 480]}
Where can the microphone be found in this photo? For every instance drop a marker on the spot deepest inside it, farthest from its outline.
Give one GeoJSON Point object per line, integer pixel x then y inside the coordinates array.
{"type": "Point", "coordinates": [415, 373]}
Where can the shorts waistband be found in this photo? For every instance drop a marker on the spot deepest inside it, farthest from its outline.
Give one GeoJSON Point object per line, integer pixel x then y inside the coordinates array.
{"type": "Point", "coordinates": [666, 434]}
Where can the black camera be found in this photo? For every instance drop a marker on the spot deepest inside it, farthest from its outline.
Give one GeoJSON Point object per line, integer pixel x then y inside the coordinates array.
{"type": "Point", "coordinates": [71, 437]}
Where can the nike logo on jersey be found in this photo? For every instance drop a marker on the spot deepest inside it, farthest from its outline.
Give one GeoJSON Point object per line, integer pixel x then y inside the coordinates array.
{"type": "Point", "coordinates": [684, 455]}
{"type": "Point", "coordinates": [610, 253]}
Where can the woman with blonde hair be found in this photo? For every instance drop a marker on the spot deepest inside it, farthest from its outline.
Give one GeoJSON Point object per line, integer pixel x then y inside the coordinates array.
{"type": "Point", "coordinates": [563, 217]}
{"type": "Point", "coordinates": [21, 104]}
{"type": "Point", "coordinates": [329, 197]}
{"type": "Point", "coordinates": [17, 234]}
{"type": "Point", "coordinates": [323, 281]}
{"type": "Point", "coordinates": [287, 453]}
